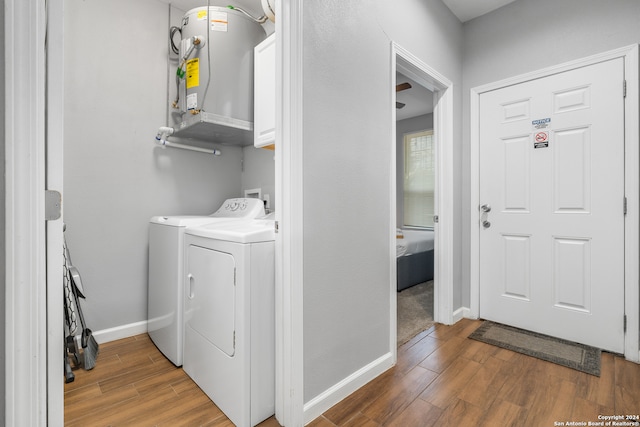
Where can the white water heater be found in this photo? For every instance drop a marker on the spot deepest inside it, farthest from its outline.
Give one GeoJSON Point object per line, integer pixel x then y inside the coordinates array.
{"type": "Point", "coordinates": [215, 75]}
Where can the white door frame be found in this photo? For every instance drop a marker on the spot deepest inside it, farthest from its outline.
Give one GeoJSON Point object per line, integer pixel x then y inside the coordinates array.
{"type": "Point", "coordinates": [632, 183]}
{"type": "Point", "coordinates": [411, 66]}
{"type": "Point", "coordinates": [26, 275]}
{"type": "Point", "coordinates": [289, 214]}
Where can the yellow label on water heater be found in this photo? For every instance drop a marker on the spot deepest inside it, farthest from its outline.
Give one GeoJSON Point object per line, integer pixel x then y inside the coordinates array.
{"type": "Point", "coordinates": [193, 73]}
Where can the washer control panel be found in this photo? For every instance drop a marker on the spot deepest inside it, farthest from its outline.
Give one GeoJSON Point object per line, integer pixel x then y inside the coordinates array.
{"type": "Point", "coordinates": [240, 208]}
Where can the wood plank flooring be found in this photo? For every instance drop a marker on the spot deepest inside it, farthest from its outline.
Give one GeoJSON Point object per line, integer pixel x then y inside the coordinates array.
{"type": "Point", "coordinates": [441, 379]}
{"type": "Point", "coordinates": [133, 384]}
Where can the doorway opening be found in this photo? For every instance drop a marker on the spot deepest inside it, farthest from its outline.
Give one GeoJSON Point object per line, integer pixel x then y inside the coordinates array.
{"type": "Point", "coordinates": [415, 210]}
{"type": "Point", "coordinates": [432, 89]}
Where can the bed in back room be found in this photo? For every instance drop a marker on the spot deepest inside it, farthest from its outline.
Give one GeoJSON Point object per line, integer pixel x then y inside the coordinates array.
{"type": "Point", "coordinates": [414, 251]}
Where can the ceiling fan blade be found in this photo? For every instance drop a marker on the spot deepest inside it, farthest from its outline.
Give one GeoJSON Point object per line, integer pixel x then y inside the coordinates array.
{"type": "Point", "coordinates": [403, 86]}
{"type": "Point", "coordinates": [399, 105]}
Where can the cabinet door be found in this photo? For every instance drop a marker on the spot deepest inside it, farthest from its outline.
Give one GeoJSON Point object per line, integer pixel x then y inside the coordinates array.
{"type": "Point", "coordinates": [264, 118]}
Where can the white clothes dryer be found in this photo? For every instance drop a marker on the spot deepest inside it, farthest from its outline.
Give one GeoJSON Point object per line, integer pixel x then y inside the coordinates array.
{"type": "Point", "coordinates": [165, 294]}
{"type": "Point", "coordinates": [229, 347]}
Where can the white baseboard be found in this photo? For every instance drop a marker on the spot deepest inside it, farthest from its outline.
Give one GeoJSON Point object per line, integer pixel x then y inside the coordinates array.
{"type": "Point", "coordinates": [321, 403]}
{"type": "Point", "coordinates": [119, 332]}
{"type": "Point", "coordinates": [462, 313]}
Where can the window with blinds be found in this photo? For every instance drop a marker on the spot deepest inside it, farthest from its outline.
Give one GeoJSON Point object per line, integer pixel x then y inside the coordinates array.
{"type": "Point", "coordinates": [419, 179]}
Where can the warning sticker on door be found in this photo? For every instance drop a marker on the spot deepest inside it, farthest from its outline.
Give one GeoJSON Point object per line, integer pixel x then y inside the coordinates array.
{"type": "Point", "coordinates": [541, 139]}
{"type": "Point", "coordinates": [541, 124]}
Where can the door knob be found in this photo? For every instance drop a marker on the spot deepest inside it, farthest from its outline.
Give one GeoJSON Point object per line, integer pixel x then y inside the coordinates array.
{"type": "Point", "coordinates": [485, 208]}
{"type": "Point", "coordinates": [486, 224]}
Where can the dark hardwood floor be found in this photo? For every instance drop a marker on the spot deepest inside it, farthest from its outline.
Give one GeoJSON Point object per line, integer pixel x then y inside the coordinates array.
{"type": "Point", "coordinates": [441, 379]}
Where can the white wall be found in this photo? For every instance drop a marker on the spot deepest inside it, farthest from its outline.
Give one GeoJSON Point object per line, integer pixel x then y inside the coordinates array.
{"type": "Point", "coordinates": [115, 177]}
{"type": "Point", "coordinates": [259, 171]}
{"type": "Point", "coordinates": [526, 36]}
{"type": "Point", "coordinates": [413, 124]}
{"type": "Point", "coordinates": [347, 146]}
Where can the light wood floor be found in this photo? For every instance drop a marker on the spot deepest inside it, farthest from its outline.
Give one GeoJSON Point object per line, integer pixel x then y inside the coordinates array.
{"type": "Point", "coordinates": [441, 379]}
{"type": "Point", "coordinates": [133, 384]}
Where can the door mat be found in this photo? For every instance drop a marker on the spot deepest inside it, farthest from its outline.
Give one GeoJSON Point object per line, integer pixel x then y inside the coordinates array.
{"type": "Point", "coordinates": [566, 353]}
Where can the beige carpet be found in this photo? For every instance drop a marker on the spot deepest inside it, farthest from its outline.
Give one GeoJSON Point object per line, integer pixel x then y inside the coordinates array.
{"type": "Point", "coordinates": [415, 311]}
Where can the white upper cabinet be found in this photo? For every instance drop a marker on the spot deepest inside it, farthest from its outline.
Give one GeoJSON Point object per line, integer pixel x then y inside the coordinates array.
{"type": "Point", "coordinates": [264, 104]}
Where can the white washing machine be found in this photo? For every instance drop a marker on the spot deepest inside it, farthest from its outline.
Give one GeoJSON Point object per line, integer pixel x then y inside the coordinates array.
{"type": "Point", "coordinates": [229, 346]}
{"type": "Point", "coordinates": [166, 243]}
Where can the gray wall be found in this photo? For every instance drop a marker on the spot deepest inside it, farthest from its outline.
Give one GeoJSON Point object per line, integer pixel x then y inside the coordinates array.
{"type": "Point", "coordinates": [505, 43]}
{"type": "Point", "coordinates": [115, 177]}
{"type": "Point", "coordinates": [2, 222]}
{"type": "Point", "coordinates": [413, 124]}
{"type": "Point", "coordinates": [259, 171]}
{"type": "Point", "coordinates": [347, 110]}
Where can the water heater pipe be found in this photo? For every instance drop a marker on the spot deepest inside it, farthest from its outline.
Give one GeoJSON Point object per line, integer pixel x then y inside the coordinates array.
{"type": "Point", "coordinates": [164, 132]}
{"type": "Point", "coordinates": [260, 20]}
{"type": "Point", "coordinates": [269, 7]}
{"type": "Point", "coordinates": [196, 42]}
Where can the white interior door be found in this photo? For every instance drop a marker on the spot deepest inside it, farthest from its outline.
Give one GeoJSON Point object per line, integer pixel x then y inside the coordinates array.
{"type": "Point", "coordinates": [552, 205]}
